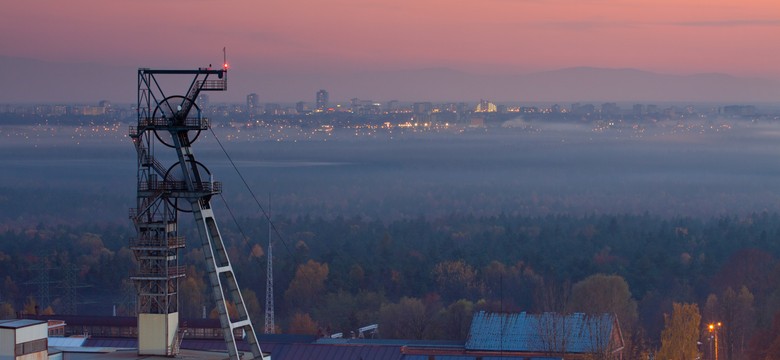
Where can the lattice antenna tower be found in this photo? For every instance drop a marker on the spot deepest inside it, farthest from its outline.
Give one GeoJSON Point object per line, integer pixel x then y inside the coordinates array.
{"type": "Point", "coordinates": [168, 125]}
{"type": "Point", "coordinates": [43, 282]}
{"type": "Point", "coordinates": [70, 287]}
{"type": "Point", "coordinates": [270, 327]}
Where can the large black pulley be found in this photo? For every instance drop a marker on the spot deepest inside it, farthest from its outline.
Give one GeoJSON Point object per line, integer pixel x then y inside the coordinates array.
{"type": "Point", "coordinates": [196, 172]}
{"type": "Point", "coordinates": [174, 110]}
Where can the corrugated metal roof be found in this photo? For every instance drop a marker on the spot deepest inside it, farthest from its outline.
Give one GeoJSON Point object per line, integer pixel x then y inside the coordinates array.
{"type": "Point", "coordinates": [328, 352]}
{"type": "Point", "coordinates": [394, 342]}
{"type": "Point", "coordinates": [111, 343]}
{"type": "Point", "coordinates": [472, 357]}
{"type": "Point", "coordinates": [573, 333]}
{"type": "Point", "coordinates": [66, 341]}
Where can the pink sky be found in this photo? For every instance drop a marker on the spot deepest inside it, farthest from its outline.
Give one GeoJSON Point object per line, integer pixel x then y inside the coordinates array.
{"type": "Point", "coordinates": [672, 36]}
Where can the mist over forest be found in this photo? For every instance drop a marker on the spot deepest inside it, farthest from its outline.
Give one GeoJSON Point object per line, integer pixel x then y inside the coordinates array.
{"type": "Point", "coordinates": [550, 169]}
{"type": "Point", "coordinates": [506, 218]}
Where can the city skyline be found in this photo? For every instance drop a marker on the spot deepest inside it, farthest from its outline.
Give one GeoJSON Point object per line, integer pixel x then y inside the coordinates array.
{"type": "Point", "coordinates": [285, 49]}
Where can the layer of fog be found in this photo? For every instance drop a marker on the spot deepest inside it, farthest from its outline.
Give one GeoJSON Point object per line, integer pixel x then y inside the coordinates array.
{"type": "Point", "coordinates": [531, 170]}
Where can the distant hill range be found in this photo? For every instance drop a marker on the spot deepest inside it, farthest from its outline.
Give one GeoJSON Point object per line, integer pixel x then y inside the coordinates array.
{"type": "Point", "coordinates": [572, 84]}
{"type": "Point", "coordinates": [26, 80]}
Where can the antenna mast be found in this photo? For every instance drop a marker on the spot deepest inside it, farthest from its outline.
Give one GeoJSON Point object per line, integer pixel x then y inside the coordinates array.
{"type": "Point", "coordinates": [269, 282]}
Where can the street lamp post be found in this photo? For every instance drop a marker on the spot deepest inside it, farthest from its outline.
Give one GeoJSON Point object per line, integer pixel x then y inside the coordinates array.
{"type": "Point", "coordinates": [713, 328]}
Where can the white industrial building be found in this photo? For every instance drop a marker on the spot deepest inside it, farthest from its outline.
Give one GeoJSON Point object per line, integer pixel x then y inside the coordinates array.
{"type": "Point", "coordinates": [24, 339]}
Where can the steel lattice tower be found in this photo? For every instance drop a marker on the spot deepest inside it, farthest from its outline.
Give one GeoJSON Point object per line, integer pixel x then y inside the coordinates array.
{"type": "Point", "coordinates": [270, 327]}
{"type": "Point", "coordinates": [167, 127]}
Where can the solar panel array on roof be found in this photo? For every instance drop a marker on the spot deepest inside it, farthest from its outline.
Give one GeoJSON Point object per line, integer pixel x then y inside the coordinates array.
{"type": "Point", "coordinates": [548, 332]}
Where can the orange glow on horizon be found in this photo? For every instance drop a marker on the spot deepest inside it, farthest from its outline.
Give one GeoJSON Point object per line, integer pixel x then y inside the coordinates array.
{"type": "Point", "coordinates": [676, 36]}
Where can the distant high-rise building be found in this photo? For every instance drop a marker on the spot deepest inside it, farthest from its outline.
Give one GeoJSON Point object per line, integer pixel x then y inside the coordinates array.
{"type": "Point", "coordinates": [392, 106]}
{"type": "Point", "coordinates": [422, 108]}
{"type": "Point", "coordinates": [739, 110]}
{"type": "Point", "coordinates": [610, 109]}
{"type": "Point", "coordinates": [301, 107]}
{"type": "Point", "coordinates": [252, 104]}
{"type": "Point", "coordinates": [638, 109]}
{"type": "Point", "coordinates": [486, 106]}
{"type": "Point", "coordinates": [322, 100]}
{"type": "Point", "coordinates": [273, 109]}
{"type": "Point", "coordinates": [652, 109]}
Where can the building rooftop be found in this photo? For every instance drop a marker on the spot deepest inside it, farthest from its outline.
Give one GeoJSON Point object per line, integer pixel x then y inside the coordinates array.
{"type": "Point", "coordinates": [133, 354]}
{"type": "Point", "coordinates": [548, 332]}
{"type": "Point", "coordinates": [19, 323]}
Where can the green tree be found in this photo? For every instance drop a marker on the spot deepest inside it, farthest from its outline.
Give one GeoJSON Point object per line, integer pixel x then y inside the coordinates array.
{"type": "Point", "coordinates": [681, 333]}
{"type": "Point", "coordinates": [407, 319]}
{"type": "Point", "coordinates": [455, 321]}
{"type": "Point", "coordinates": [736, 314]}
{"type": "Point", "coordinates": [599, 294]}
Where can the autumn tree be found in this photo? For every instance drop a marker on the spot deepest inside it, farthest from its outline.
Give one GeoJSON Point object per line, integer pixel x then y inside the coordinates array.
{"type": "Point", "coordinates": [192, 293]}
{"type": "Point", "coordinates": [513, 286]}
{"type": "Point", "coordinates": [357, 277]}
{"type": "Point", "coordinates": [231, 310]}
{"type": "Point", "coordinates": [455, 279]}
{"type": "Point", "coordinates": [681, 333]}
{"type": "Point", "coordinates": [302, 324]}
{"type": "Point", "coordinates": [30, 306]}
{"type": "Point", "coordinates": [307, 287]}
{"type": "Point", "coordinates": [252, 304]}
{"type": "Point", "coordinates": [6, 311]}
{"type": "Point", "coordinates": [766, 344]}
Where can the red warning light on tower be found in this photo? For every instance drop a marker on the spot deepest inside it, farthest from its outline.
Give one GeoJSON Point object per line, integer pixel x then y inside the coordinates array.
{"type": "Point", "coordinates": [225, 66]}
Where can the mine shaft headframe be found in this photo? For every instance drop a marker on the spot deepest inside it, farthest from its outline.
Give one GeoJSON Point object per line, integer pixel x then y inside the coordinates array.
{"type": "Point", "coordinates": [158, 110]}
